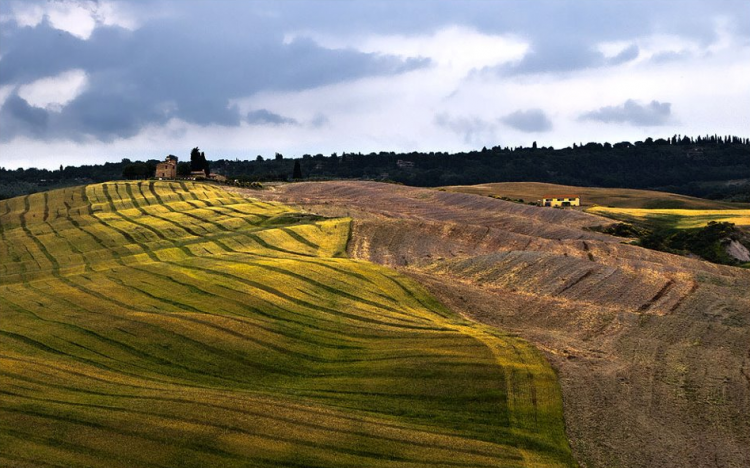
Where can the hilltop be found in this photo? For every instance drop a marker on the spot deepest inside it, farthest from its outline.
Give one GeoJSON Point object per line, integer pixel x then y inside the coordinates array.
{"type": "Point", "coordinates": [652, 349]}
{"type": "Point", "coordinates": [609, 197]}
{"type": "Point", "coordinates": [163, 324]}
{"type": "Point", "coordinates": [659, 220]}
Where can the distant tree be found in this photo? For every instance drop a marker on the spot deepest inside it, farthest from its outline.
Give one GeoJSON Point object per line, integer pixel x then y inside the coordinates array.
{"type": "Point", "coordinates": [279, 156]}
{"type": "Point", "coordinates": [196, 164]}
{"type": "Point", "coordinates": [136, 170]}
{"type": "Point", "coordinates": [183, 169]}
{"type": "Point", "coordinates": [297, 172]}
{"type": "Point", "coordinates": [259, 159]}
{"type": "Point", "coordinates": [204, 164]}
{"type": "Point", "coordinates": [129, 171]}
{"type": "Point", "coordinates": [198, 161]}
{"type": "Point", "coordinates": [533, 145]}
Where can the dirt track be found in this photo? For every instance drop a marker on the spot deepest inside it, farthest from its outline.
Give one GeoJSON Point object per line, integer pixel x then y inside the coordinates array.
{"type": "Point", "coordinates": [653, 349]}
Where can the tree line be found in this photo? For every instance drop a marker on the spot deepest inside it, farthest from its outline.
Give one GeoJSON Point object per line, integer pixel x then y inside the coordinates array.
{"type": "Point", "coordinates": [712, 166]}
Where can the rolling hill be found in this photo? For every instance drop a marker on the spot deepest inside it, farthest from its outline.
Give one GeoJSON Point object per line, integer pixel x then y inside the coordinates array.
{"type": "Point", "coordinates": [606, 197]}
{"type": "Point", "coordinates": [652, 349]}
{"type": "Point", "coordinates": [159, 324]}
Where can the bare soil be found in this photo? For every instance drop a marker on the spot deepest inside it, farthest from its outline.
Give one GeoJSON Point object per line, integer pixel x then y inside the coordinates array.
{"type": "Point", "coordinates": [652, 349]}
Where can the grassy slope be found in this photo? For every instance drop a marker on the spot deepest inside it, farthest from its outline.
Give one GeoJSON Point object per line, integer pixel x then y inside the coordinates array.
{"type": "Point", "coordinates": [674, 219]}
{"type": "Point", "coordinates": [165, 324]}
{"type": "Point", "coordinates": [614, 197]}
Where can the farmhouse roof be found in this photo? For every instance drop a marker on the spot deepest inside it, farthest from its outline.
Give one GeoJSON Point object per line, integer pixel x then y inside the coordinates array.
{"type": "Point", "coordinates": [561, 196]}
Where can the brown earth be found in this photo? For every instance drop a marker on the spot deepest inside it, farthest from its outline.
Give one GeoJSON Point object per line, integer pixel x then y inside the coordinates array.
{"type": "Point", "coordinates": [652, 349]}
{"type": "Point", "coordinates": [615, 197]}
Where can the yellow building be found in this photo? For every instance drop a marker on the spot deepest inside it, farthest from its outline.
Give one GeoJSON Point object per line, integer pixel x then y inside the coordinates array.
{"type": "Point", "coordinates": [561, 200]}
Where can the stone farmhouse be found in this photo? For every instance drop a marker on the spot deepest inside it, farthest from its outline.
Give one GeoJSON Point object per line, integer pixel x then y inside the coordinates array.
{"type": "Point", "coordinates": [561, 200]}
{"type": "Point", "coordinates": [167, 169]}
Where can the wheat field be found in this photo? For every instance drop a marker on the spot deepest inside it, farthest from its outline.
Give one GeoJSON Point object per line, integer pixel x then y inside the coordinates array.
{"type": "Point", "coordinates": [173, 324]}
{"type": "Point", "coordinates": [674, 218]}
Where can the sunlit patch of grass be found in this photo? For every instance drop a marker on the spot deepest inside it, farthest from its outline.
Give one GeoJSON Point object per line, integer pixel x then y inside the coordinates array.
{"type": "Point", "coordinates": [673, 218]}
{"type": "Point", "coordinates": [175, 324]}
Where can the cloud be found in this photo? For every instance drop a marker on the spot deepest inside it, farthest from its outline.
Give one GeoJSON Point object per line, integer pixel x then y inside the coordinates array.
{"type": "Point", "coordinates": [165, 70]}
{"type": "Point", "coordinates": [77, 17]}
{"type": "Point", "coordinates": [5, 93]}
{"type": "Point", "coordinates": [53, 93]}
{"type": "Point", "coordinates": [265, 117]}
{"type": "Point", "coordinates": [669, 56]}
{"type": "Point", "coordinates": [626, 55]}
{"type": "Point", "coordinates": [473, 129]}
{"type": "Point", "coordinates": [554, 55]}
{"type": "Point", "coordinates": [362, 76]}
{"type": "Point", "coordinates": [654, 113]}
{"type": "Point", "coordinates": [19, 118]}
{"type": "Point", "coordinates": [319, 120]}
{"type": "Point", "coordinates": [456, 47]}
{"type": "Point", "coordinates": [532, 120]}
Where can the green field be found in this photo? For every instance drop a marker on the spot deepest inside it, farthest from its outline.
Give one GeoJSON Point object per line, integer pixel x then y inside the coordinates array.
{"type": "Point", "coordinates": [161, 324]}
{"type": "Point", "coordinates": [674, 218]}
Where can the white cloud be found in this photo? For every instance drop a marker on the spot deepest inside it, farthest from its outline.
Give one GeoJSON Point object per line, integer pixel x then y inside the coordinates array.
{"type": "Point", "coordinates": [117, 14]}
{"type": "Point", "coordinates": [400, 112]}
{"type": "Point", "coordinates": [396, 112]}
{"type": "Point", "coordinates": [73, 18]}
{"type": "Point", "coordinates": [54, 92]}
{"type": "Point", "coordinates": [79, 18]}
{"type": "Point", "coordinates": [26, 15]}
{"type": "Point", "coordinates": [456, 47]}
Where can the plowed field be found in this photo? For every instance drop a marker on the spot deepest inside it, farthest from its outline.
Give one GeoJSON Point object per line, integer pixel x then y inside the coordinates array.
{"type": "Point", "coordinates": [652, 349]}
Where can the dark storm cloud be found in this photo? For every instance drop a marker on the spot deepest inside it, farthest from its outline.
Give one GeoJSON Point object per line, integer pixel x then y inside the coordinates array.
{"type": "Point", "coordinates": [652, 114]}
{"type": "Point", "coordinates": [18, 117]}
{"type": "Point", "coordinates": [532, 120]}
{"type": "Point", "coordinates": [174, 68]}
{"type": "Point", "coordinates": [266, 117]}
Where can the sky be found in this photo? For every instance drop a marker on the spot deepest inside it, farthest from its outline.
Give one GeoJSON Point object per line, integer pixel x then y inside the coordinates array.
{"type": "Point", "coordinates": [86, 82]}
